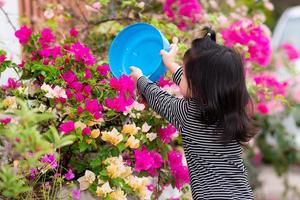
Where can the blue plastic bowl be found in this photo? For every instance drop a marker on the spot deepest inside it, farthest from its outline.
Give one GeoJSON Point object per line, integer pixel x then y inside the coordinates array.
{"type": "Point", "coordinates": [138, 45]}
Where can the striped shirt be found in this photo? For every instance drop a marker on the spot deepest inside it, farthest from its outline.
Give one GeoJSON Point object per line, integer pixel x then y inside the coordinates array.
{"type": "Point", "coordinates": [216, 170]}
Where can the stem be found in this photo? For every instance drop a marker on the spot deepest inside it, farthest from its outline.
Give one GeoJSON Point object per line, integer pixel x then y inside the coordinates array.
{"type": "Point", "coordinates": [8, 19]}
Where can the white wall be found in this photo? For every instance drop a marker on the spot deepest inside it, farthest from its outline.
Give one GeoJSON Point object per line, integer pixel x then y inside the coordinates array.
{"type": "Point", "coordinates": [8, 41]}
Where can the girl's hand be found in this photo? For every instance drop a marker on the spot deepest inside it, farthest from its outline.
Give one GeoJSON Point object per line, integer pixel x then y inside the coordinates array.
{"type": "Point", "coordinates": [169, 58]}
{"type": "Point", "coordinates": [136, 73]}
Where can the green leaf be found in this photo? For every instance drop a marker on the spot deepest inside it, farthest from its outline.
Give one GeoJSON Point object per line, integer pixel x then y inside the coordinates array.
{"type": "Point", "coordinates": [121, 146]}
{"type": "Point", "coordinates": [83, 146]}
{"type": "Point", "coordinates": [66, 140]}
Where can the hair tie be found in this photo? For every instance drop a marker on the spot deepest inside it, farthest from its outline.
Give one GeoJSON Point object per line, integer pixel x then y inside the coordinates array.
{"type": "Point", "coordinates": [208, 34]}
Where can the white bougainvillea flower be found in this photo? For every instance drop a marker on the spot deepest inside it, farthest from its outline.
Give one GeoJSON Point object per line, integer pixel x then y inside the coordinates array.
{"type": "Point", "coordinates": [138, 106]}
{"type": "Point", "coordinates": [103, 190]}
{"type": "Point", "coordinates": [151, 136]}
{"type": "Point", "coordinates": [85, 181]}
{"type": "Point", "coordinates": [145, 127]}
{"type": "Point", "coordinates": [57, 92]}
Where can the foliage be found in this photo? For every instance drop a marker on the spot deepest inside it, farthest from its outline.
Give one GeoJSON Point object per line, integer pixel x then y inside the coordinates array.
{"type": "Point", "coordinates": [66, 118]}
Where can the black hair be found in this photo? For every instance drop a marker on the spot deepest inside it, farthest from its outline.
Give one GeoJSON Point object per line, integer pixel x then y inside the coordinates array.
{"type": "Point", "coordinates": [216, 80]}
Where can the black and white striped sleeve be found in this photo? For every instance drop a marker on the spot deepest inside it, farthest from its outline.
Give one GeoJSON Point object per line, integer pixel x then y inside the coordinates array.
{"type": "Point", "coordinates": [167, 106]}
{"type": "Point", "coordinates": [177, 76]}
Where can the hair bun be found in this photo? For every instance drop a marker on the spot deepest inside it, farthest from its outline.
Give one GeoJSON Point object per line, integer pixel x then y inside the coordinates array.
{"type": "Point", "coordinates": [209, 32]}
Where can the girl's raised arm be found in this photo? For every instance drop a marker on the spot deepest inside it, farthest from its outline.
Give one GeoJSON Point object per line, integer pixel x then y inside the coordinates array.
{"type": "Point", "coordinates": [167, 106]}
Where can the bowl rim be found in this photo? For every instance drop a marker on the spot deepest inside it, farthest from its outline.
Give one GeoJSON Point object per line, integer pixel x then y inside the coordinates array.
{"type": "Point", "coordinates": [163, 40]}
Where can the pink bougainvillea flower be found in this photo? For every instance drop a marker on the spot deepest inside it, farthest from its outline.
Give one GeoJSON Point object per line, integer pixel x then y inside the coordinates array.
{"type": "Point", "coordinates": [87, 90]}
{"type": "Point", "coordinates": [119, 103]}
{"type": "Point", "coordinates": [87, 73]}
{"type": "Point", "coordinates": [79, 97]}
{"type": "Point", "coordinates": [22, 64]}
{"type": "Point", "coordinates": [67, 127]}
{"type": "Point", "coordinates": [182, 9]}
{"type": "Point", "coordinates": [179, 172]}
{"type": "Point", "coordinates": [262, 108]}
{"type": "Point", "coordinates": [103, 69]}
{"type": "Point", "coordinates": [124, 84]}
{"type": "Point", "coordinates": [146, 160]}
{"type": "Point", "coordinates": [73, 32]}
{"type": "Point", "coordinates": [53, 52]}
{"type": "Point", "coordinates": [77, 86]}
{"type": "Point", "coordinates": [69, 76]}
{"type": "Point", "coordinates": [69, 93]}
{"type": "Point", "coordinates": [5, 121]}
{"type": "Point", "coordinates": [23, 34]}
{"type": "Point", "coordinates": [271, 84]}
{"type": "Point", "coordinates": [82, 54]}
{"type": "Point", "coordinates": [150, 187]}
{"type": "Point", "coordinates": [247, 33]}
{"type": "Point", "coordinates": [46, 38]}
{"type": "Point", "coordinates": [93, 107]}
{"type": "Point", "coordinates": [80, 110]}
{"type": "Point", "coordinates": [270, 107]}
{"type": "Point", "coordinates": [86, 131]}
{"type": "Point", "coordinates": [50, 159]}
{"type": "Point", "coordinates": [163, 82]}
{"type": "Point", "coordinates": [11, 84]}
{"type": "Point", "coordinates": [166, 134]}
{"type": "Point", "coordinates": [291, 51]}
{"type": "Point", "coordinates": [69, 175]}
{"type": "Point", "coordinates": [76, 194]}
{"type": "Point", "coordinates": [2, 58]}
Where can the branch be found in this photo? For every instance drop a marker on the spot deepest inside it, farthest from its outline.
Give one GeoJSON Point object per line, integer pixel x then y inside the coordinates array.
{"type": "Point", "coordinates": [113, 19]}
{"type": "Point", "coordinates": [8, 19]}
{"type": "Point", "coordinates": [82, 13]}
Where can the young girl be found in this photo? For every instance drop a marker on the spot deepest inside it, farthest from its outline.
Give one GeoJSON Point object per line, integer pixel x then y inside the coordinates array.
{"type": "Point", "coordinates": [211, 117]}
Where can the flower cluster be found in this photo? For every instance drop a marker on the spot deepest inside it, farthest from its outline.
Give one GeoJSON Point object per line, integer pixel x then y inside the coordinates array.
{"type": "Point", "coordinates": [125, 88]}
{"type": "Point", "coordinates": [253, 36]}
{"type": "Point", "coordinates": [270, 93]}
{"type": "Point", "coordinates": [180, 10]}
{"type": "Point", "coordinates": [146, 160]}
{"type": "Point", "coordinates": [179, 172]}
{"type": "Point", "coordinates": [166, 133]}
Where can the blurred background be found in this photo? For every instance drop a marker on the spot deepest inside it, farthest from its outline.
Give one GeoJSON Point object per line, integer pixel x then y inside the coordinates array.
{"type": "Point", "coordinates": [274, 177]}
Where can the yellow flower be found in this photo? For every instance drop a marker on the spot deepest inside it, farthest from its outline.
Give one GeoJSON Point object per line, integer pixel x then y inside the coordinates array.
{"type": "Point", "coordinates": [86, 180]}
{"type": "Point", "coordinates": [113, 137]}
{"type": "Point", "coordinates": [116, 167]}
{"type": "Point", "coordinates": [136, 183]}
{"type": "Point", "coordinates": [10, 102]}
{"type": "Point", "coordinates": [103, 190]}
{"type": "Point", "coordinates": [118, 195]}
{"type": "Point", "coordinates": [95, 133]}
{"type": "Point", "coordinates": [130, 129]}
{"type": "Point", "coordinates": [139, 185]}
{"type": "Point", "coordinates": [89, 141]}
{"type": "Point", "coordinates": [132, 142]}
